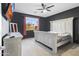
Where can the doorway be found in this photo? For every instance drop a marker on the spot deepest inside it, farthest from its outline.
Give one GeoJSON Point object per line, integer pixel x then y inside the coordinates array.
{"type": "Point", "coordinates": [76, 30]}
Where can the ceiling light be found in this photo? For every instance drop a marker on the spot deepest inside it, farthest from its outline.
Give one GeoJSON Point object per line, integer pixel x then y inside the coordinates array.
{"type": "Point", "coordinates": [44, 10]}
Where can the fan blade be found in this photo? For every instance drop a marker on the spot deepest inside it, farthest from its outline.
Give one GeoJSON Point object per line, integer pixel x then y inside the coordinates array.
{"type": "Point", "coordinates": [48, 10]}
{"type": "Point", "coordinates": [43, 6]}
{"type": "Point", "coordinates": [50, 6]}
{"type": "Point", "coordinates": [39, 9]}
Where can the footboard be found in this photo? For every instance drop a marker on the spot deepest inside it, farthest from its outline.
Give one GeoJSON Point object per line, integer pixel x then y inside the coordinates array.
{"type": "Point", "coordinates": [47, 38]}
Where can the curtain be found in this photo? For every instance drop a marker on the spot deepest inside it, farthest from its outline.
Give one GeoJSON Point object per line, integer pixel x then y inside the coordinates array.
{"type": "Point", "coordinates": [24, 26]}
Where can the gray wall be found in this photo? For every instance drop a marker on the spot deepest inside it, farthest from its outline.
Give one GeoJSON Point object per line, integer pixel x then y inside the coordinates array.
{"type": "Point", "coordinates": [69, 13]}
{"type": "Point", "coordinates": [44, 24]}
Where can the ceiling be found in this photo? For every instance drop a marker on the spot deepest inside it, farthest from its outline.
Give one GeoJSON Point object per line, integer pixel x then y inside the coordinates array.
{"type": "Point", "coordinates": [30, 8]}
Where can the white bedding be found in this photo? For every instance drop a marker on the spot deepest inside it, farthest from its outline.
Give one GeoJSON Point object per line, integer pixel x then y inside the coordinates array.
{"type": "Point", "coordinates": [63, 34]}
{"type": "Point", "coordinates": [60, 33]}
{"type": "Point", "coordinates": [51, 39]}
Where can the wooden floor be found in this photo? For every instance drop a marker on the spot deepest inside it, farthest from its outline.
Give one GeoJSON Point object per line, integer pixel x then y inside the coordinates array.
{"type": "Point", "coordinates": [31, 48]}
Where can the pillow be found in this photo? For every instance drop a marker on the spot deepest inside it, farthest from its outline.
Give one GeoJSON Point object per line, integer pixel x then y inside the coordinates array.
{"type": "Point", "coordinates": [63, 34]}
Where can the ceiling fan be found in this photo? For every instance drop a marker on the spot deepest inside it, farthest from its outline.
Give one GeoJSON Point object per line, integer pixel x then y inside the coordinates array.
{"type": "Point", "coordinates": [45, 8]}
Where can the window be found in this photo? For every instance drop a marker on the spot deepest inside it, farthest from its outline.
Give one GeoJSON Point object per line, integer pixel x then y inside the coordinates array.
{"type": "Point", "coordinates": [32, 23]}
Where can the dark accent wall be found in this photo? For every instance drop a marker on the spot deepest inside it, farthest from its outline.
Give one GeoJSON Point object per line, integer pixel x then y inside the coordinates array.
{"type": "Point", "coordinates": [44, 24]}
{"type": "Point", "coordinates": [19, 17]}
{"type": "Point", "coordinates": [69, 13]}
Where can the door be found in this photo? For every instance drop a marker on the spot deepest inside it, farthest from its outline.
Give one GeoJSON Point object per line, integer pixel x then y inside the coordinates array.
{"type": "Point", "coordinates": [76, 30]}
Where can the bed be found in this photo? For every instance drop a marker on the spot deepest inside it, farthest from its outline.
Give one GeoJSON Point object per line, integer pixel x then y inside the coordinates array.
{"type": "Point", "coordinates": [61, 32]}
{"type": "Point", "coordinates": [51, 39]}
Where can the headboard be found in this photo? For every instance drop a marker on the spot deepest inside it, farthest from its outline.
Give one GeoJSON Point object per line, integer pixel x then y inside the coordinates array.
{"type": "Point", "coordinates": [62, 26]}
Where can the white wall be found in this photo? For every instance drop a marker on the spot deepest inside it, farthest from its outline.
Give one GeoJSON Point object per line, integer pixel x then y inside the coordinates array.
{"type": "Point", "coordinates": [5, 26]}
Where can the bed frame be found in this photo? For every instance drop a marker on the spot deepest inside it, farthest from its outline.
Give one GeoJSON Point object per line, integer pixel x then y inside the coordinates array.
{"type": "Point", "coordinates": [49, 39]}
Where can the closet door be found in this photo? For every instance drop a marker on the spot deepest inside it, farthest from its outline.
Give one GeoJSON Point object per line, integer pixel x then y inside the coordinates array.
{"type": "Point", "coordinates": [76, 30]}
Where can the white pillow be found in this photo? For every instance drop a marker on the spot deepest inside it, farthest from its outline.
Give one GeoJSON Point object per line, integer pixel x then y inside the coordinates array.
{"type": "Point", "coordinates": [63, 34]}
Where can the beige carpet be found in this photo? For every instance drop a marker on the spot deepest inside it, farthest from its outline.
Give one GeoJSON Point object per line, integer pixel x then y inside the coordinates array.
{"type": "Point", "coordinates": [74, 51]}
{"type": "Point", "coordinates": [32, 48]}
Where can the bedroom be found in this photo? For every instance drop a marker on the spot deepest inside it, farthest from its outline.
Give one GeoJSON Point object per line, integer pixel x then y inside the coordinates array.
{"type": "Point", "coordinates": [33, 21]}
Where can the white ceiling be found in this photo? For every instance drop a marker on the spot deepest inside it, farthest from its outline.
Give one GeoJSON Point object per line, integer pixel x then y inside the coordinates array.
{"type": "Point", "coordinates": [30, 8]}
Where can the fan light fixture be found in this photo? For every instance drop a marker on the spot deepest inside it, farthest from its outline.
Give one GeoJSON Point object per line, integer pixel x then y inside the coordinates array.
{"type": "Point", "coordinates": [44, 11]}
{"type": "Point", "coordinates": [45, 8]}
